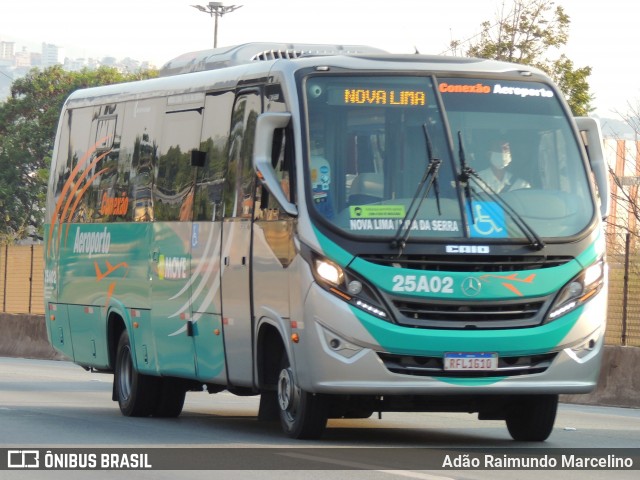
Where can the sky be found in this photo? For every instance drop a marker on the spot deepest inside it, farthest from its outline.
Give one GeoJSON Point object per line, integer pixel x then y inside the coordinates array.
{"type": "Point", "coordinates": [605, 37]}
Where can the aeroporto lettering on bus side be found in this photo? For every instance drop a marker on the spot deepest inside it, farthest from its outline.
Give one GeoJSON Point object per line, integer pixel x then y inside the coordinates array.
{"type": "Point", "coordinates": [384, 97]}
{"type": "Point", "coordinates": [92, 242]}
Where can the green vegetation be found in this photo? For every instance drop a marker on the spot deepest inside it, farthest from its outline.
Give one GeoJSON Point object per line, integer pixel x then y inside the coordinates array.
{"type": "Point", "coordinates": [526, 34]}
{"type": "Point", "coordinates": [28, 122]}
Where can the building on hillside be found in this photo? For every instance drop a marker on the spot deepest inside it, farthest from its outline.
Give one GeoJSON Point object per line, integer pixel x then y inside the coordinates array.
{"type": "Point", "coordinates": [50, 55]}
{"type": "Point", "coordinates": [22, 58]}
{"type": "Point", "coordinates": [6, 50]}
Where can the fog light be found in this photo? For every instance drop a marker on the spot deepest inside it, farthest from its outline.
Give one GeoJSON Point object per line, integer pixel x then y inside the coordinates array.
{"type": "Point", "coordinates": [354, 287]}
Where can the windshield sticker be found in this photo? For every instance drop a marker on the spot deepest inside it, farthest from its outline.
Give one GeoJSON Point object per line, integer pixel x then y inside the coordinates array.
{"type": "Point", "coordinates": [487, 220]}
{"type": "Point", "coordinates": [377, 211]}
{"type": "Point", "coordinates": [389, 224]}
{"type": "Point", "coordinates": [321, 185]}
{"type": "Point", "coordinates": [497, 89]}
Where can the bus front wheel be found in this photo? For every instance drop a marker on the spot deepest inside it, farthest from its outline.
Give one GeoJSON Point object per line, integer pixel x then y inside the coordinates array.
{"type": "Point", "coordinates": [303, 415]}
{"type": "Point", "coordinates": [532, 417]}
{"type": "Point", "coordinates": [136, 393]}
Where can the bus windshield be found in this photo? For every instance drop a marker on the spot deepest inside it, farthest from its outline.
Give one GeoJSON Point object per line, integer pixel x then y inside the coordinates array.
{"type": "Point", "coordinates": [372, 140]}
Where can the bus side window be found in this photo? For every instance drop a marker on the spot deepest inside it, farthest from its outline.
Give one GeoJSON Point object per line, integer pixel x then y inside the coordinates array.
{"type": "Point", "coordinates": [62, 165]}
{"type": "Point", "coordinates": [79, 156]}
{"type": "Point", "coordinates": [240, 176]}
{"type": "Point", "coordinates": [214, 141]}
{"type": "Point", "coordinates": [175, 179]}
{"type": "Point", "coordinates": [139, 147]}
{"type": "Point", "coordinates": [109, 201]}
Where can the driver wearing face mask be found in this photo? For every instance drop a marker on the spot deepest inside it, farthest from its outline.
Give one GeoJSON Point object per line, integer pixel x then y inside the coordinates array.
{"type": "Point", "coordinates": [497, 176]}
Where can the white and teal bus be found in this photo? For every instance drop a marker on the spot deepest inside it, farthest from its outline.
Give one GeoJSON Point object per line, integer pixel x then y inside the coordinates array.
{"type": "Point", "coordinates": [338, 230]}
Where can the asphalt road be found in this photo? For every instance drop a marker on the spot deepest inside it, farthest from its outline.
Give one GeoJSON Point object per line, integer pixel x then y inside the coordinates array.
{"type": "Point", "coordinates": [58, 406]}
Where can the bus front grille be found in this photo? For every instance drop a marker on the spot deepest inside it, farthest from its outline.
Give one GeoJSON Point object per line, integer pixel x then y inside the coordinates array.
{"type": "Point", "coordinates": [469, 315]}
{"type": "Point", "coordinates": [468, 263]}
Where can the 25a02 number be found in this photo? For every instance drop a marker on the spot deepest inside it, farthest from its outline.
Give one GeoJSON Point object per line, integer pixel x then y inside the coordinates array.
{"type": "Point", "coordinates": [422, 283]}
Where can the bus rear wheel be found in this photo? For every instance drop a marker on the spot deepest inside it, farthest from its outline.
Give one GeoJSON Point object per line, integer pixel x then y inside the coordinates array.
{"type": "Point", "coordinates": [303, 415]}
{"type": "Point", "coordinates": [136, 393]}
{"type": "Point", "coordinates": [531, 419]}
{"type": "Point", "coordinates": [171, 398]}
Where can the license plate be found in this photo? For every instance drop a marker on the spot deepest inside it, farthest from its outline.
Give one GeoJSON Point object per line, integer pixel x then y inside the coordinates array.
{"type": "Point", "coordinates": [470, 361]}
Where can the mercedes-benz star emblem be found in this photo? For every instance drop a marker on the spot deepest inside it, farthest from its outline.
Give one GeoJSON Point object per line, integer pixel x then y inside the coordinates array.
{"type": "Point", "coordinates": [471, 286]}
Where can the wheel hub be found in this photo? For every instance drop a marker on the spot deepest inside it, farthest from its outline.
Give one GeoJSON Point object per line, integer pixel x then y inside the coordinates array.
{"type": "Point", "coordinates": [286, 390]}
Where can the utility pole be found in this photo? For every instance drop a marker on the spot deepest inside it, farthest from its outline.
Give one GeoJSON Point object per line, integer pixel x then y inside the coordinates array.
{"type": "Point", "coordinates": [216, 9]}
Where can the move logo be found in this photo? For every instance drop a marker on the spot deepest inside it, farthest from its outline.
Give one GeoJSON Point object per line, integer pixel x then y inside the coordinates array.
{"type": "Point", "coordinates": [172, 268]}
{"type": "Point", "coordinates": [92, 242]}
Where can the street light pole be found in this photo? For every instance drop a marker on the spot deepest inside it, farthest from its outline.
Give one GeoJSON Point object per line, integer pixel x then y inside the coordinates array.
{"type": "Point", "coordinates": [216, 9]}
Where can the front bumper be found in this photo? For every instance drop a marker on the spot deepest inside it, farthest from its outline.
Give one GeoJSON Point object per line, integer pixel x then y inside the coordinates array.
{"type": "Point", "coordinates": [343, 351]}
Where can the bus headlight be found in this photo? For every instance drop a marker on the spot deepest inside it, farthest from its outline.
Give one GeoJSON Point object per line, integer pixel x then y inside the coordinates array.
{"type": "Point", "coordinates": [578, 291]}
{"type": "Point", "coordinates": [328, 271]}
{"type": "Point", "coordinates": [347, 286]}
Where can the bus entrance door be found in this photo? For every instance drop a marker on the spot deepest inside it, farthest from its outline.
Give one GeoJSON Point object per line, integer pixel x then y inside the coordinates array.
{"type": "Point", "coordinates": [172, 238]}
{"type": "Point", "coordinates": [236, 241]}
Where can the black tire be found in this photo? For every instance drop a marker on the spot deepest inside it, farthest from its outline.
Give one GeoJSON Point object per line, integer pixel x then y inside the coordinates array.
{"type": "Point", "coordinates": [137, 394]}
{"type": "Point", "coordinates": [302, 415]}
{"type": "Point", "coordinates": [269, 409]}
{"type": "Point", "coordinates": [531, 419]}
{"type": "Point", "coordinates": [171, 397]}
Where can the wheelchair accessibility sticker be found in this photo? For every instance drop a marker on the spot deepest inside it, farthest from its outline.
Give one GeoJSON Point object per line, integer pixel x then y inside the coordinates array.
{"type": "Point", "coordinates": [486, 220]}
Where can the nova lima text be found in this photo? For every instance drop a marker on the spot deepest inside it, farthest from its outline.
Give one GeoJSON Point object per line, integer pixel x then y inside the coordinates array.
{"type": "Point", "coordinates": [545, 461]}
{"type": "Point", "coordinates": [107, 461]}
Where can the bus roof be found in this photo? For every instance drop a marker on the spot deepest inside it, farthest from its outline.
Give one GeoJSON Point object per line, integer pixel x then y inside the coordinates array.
{"type": "Point", "coordinates": [192, 72]}
{"type": "Point", "coordinates": [251, 52]}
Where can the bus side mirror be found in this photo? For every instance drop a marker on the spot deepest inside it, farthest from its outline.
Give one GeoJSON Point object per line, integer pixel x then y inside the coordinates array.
{"type": "Point", "coordinates": [266, 125]}
{"type": "Point", "coordinates": [592, 137]}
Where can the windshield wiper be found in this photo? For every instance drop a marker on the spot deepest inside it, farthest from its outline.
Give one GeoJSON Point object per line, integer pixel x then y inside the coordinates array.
{"type": "Point", "coordinates": [469, 173]}
{"type": "Point", "coordinates": [431, 176]}
{"type": "Point", "coordinates": [465, 173]}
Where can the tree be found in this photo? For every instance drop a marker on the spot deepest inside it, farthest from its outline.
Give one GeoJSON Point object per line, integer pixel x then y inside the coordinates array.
{"type": "Point", "coordinates": [625, 176]}
{"type": "Point", "coordinates": [28, 122]}
{"type": "Point", "coordinates": [528, 32]}
{"type": "Point", "coordinates": [623, 239]}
